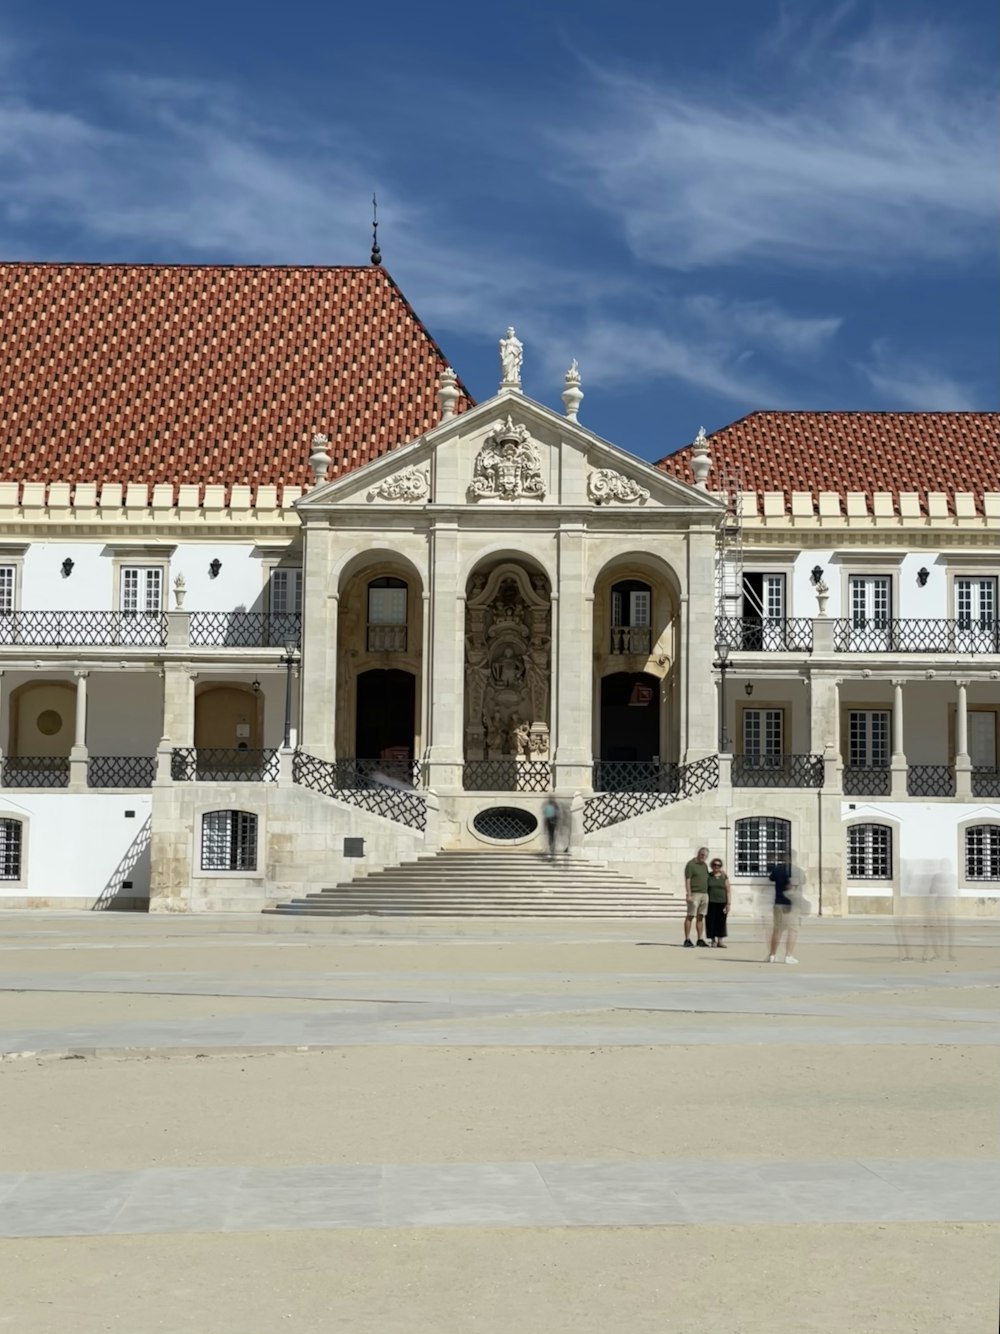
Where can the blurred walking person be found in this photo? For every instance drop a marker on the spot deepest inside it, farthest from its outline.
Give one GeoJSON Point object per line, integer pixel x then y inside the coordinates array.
{"type": "Point", "coordinates": [550, 818]}
{"type": "Point", "coordinates": [787, 913]}
{"type": "Point", "coordinates": [719, 897]}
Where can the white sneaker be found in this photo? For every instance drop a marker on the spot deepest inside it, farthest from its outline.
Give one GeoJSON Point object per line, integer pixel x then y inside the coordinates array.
{"type": "Point", "coordinates": [772, 958]}
{"type": "Point", "coordinates": [789, 959]}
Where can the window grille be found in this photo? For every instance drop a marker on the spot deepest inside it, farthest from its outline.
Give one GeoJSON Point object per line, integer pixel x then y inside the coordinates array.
{"type": "Point", "coordinates": [982, 852]}
{"type": "Point", "coordinates": [761, 840]}
{"type": "Point", "coordinates": [10, 849]}
{"type": "Point", "coordinates": [869, 852]}
{"type": "Point", "coordinates": [229, 841]}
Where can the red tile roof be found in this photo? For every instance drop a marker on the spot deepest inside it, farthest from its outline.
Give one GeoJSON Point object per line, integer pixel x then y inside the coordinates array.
{"type": "Point", "coordinates": [852, 451]}
{"type": "Point", "coordinates": [206, 373]}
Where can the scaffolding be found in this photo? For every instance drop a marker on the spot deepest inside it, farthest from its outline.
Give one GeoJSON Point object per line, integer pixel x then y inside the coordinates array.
{"type": "Point", "coordinates": [729, 588]}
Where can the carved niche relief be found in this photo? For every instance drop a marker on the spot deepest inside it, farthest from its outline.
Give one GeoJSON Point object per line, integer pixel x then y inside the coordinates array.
{"type": "Point", "coordinates": [509, 466]}
{"type": "Point", "coordinates": [507, 665]}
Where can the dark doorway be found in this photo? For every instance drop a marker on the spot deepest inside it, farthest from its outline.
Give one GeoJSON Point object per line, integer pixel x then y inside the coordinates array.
{"type": "Point", "coordinates": [630, 716]}
{"type": "Point", "coordinates": [386, 715]}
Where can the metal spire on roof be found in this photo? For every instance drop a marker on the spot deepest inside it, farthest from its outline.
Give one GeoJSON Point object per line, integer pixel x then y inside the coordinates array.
{"type": "Point", "coordinates": [376, 253]}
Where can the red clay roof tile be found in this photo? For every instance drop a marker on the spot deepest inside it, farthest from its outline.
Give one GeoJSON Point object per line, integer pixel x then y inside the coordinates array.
{"type": "Point", "coordinates": [206, 373]}
{"type": "Point", "coordinates": [852, 451]}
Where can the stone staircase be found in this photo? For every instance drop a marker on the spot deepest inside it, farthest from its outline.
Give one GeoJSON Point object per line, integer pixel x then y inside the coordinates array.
{"type": "Point", "coordinates": [490, 884]}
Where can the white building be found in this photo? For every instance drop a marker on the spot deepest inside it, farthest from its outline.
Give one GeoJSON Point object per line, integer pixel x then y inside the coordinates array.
{"type": "Point", "coordinates": [238, 662]}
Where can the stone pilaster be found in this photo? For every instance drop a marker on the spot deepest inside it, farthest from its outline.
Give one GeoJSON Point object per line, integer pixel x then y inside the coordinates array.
{"type": "Point", "coordinates": [698, 638]}
{"type": "Point", "coordinates": [178, 703]}
{"type": "Point", "coordinates": [318, 665]}
{"type": "Point", "coordinates": [573, 669]}
{"type": "Point", "coordinates": [446, 667]}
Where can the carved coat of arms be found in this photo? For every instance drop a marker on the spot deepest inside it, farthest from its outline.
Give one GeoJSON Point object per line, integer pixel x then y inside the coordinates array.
{"type": "Point", "coordinates": [508, 467]}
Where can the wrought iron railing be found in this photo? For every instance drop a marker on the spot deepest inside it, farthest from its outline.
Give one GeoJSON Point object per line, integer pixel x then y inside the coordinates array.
{"type": "Point", "coordinates": [190, 764]}
{"type": "Point", "coordinates": [915, 635]}
{"type": "Point", "coordinates": [244, 629]}
{"type": "Point", "coordinates": [507, 775]}
{"type": "Point", "coordinates": [930, 780]}
{"type": "Point", "coordinates": [121, 770]}
{"type": "Point", "coordinates": [387, 638]}
{"type": "Point", "coordinates": [356, 773]}
{"type": "Point", "coordinates": [614, 807]}
{"type": "Point", "coordinates": [865, 780]}
{"type": "Point", "coordinates": [777, 771]}
{"type": "Point", "coordinates": [985, 782]}
{"type": "Point", "coordinates": [635, 776]}
{"type": "Point", "coordinates": [34, 771]}
{"type": "Point", "coordinates": [631, 639]}
{"type": "Point", "coordinates": [393, 802]}
{"type": "Point", "coordinates": [751, 634]}
{"type": "Point", "coordinates": [83, 629]}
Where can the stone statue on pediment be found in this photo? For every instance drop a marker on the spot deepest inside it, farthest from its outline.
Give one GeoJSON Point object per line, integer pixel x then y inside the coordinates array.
{"type": "Point", "coordinates": [511, 360]}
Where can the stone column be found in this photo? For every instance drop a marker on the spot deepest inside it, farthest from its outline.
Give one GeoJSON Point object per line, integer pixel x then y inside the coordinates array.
{"type": "Point", "coordinates": [178, 703]}
{"type": "Point", "coordinates": [446, 666]}
{"type": "Point", "coordinates": [78, 752]}
{"type": "Point", "coordinates": [573, 673]}
{"type": "Point", "coordinates": [963, 761]}
{"type": "Point", "coordinates": [898, 760]}
{"type": "Point", "coordinates": [318, 663]}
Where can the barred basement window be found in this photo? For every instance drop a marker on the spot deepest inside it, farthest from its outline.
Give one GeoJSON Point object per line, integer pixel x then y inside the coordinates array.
{"type": "Point", "coordinates": [869, 852]}
{"type": "Point", "coordinates": [228, 841]}
{"type": "Point", "coordinates": [982, 852]}
{"type": "Point", "coordinates": [10, 849]}
{"type": "Point", "coordinates": [761, 841]}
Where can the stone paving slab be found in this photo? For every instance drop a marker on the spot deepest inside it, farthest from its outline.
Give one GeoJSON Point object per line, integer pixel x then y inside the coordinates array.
{"type": "Point", "coordinates": [496, 1194]}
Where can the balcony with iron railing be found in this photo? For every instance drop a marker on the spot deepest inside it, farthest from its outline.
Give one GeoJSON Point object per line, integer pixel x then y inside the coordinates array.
{"type": "Point", "coordinates": [915, 635]}
{"type": "Point", "coordinates": [777, 771]}
{"type": "Point", "coordinates": [748, 634]}
{"type": "Point", "coordinates": [126, 629]}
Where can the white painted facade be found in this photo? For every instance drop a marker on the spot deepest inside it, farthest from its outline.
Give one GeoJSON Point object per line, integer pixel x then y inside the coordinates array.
{"type": "Point", "coordinates": [548, 568]}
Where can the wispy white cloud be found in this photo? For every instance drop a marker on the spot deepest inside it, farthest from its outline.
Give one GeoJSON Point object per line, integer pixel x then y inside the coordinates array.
{"type": "Point", "coordinates": [878, 152]}
{"type": "Point", "coordinates": [907, 382]}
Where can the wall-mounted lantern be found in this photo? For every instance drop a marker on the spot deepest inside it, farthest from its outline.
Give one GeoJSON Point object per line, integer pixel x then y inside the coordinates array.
{"type": "Point", "coordinates": [67, 567]}
{"type": "Point", "coordinates": [817, 574]}
{"type": "Point", "coordinates": [214, 566]}
{"type": "Point", "coordinates": [748, 688]}
{"type": "Point", "coordinates": [923, 574]}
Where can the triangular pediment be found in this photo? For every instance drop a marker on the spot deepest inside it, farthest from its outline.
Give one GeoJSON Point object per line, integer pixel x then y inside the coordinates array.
{"type": "Point", "coordinates": [511, 452]}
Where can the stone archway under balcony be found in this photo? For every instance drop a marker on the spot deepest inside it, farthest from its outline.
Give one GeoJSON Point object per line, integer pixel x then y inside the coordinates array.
{"type": "Point", "coordinates": [637, 649]}
{"type": "Point", "coordinates": [380, 679]}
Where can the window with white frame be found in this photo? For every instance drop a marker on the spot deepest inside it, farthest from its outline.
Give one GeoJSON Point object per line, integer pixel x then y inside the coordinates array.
{"type": "Point", "coordinates": [763, 596]}
{"type": "Point", "coordinates": [8, 587]}
{"type": "Point", "coordinates": [761, 841]}
{"type": "Point", "coordinates": [141, 589]}
{"type": "Point", "coordinates": [11, 842]}
{"type": "Point", "coordinates": [285, 591]}
{"type": "Point", "coordinates": [869, 852]}
{"type": "Point", "coordinates": [868, 738]}
{"type": "Point", "coordinates": [976, 601]}
{"type": "Point", "coordinates": [870, 599]}
{"type": "Point", "coordinates": [982, 852]}
{"type": "Point", "coordinates": [631, 603]}
{"type": "Point", "coordinates": [763, 736]}
{"type": "Point", "coordinates": [229, 841]}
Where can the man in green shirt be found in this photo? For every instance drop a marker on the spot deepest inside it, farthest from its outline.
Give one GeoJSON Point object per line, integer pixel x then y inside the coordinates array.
{"type": "Point", "coordinates": [696, 893]}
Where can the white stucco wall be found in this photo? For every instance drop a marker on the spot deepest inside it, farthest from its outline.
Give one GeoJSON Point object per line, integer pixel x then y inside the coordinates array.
{"type": "Point", "coordinates": [930, 847]}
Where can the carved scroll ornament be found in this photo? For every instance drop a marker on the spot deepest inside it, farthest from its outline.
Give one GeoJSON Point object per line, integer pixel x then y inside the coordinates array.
{"type": "Point", "coordinates": [605, 485]}
{"type": "Point", "coordinates": [410, 484]}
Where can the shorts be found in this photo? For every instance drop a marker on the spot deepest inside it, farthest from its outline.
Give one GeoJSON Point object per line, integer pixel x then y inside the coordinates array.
{"type": "Point", "coordinates": [785, 918]}
{"type": "Point", "coordinates": [697, 903]}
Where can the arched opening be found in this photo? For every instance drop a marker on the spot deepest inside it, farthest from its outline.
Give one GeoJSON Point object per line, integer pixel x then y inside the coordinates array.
{"type": "Point", "coordinates": [42, 719]}
{"type": "Point", "coordinates": [630, 729]}
{"type": "Point", "coordinates": [228, 717]}
{"type": "Point", "coordinates": [385, 716]}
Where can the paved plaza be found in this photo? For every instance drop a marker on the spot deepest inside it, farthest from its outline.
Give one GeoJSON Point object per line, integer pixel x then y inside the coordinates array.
{"type": "Point", "coordinates": [245, 1124]}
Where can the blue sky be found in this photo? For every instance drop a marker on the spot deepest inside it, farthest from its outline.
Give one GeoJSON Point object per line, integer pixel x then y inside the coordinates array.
{"type": "Point", "coordinates": [716, 208]}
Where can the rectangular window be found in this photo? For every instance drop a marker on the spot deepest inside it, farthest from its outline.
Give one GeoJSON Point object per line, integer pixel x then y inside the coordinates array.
{"type": "Point", "coordinates": [976, 614]}
{"type": "Point", "coordinates": [639, 607]}
{"type": "Point", "coordinates": [10, 849]}
{"type": "Point", "coordinates": [763, 735]}
{"type": "Point", "coordinates": [8, 586]}
{"type": "Point", "coordinates": [983, 738]}
{"type": "Point", "coordinates": [982, 852]}
{"type": "Point", "coordinates": [285, 591]}
{"type": "Point", "coordinates": [386, 606]}
{"type": "Point", "coordinates": [142, 589]}
{"type": "Point", "coordinates": [764, 597]}
{"type": "Point", "coordinates": [229, 841]}
{"type": "Point", "coordinates": [869, 597]}
{"type": "Point", "coordinates": [868, 738]}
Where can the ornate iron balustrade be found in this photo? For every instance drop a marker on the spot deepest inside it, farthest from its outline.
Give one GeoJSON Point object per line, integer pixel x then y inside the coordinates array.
{"type": "Point", "coordinates": [35, 771]}
{"type": "Point", "coordinates": [121, 770]}
{"type": "Point", "coordinates": [631, 639]}
{"type": "Point", "coordinates": [864, 780]}
{"type": "Point", "coordinates": [777, 771]}
{"type": "Point", "coordinates": [391, 802]}
{"type": "Point", "coordinates": [355, 773]}
{"type": "Point", "coordinates": [507, 775]}
{"type": "Point", "coordinates": [930, 780]}
{"type": "Point", "coordinates": [635, 776]}
{"type": "Point", "coordinates": [985, 782]}
{"type": "Point", "coordinates": [387, 639]}
{"type": "Point", "coordinates": [244, 629]}
{"type": "Point", "coordinates": [189, 764]}
{"type": "Point", "coordinates": [749, 634]}
{"type": "Point", "coordinates": [614, 807]}
{"type": "Point", "coordinates": [83, 629]}
{"type": "Point", "coordinates": [915, 635]}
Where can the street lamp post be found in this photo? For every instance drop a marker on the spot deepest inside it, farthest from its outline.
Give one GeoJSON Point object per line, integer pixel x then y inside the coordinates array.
{"type": "Point", "coordinates": [722, 663]}
{"type": "Point", "coordinates": [290, 659]}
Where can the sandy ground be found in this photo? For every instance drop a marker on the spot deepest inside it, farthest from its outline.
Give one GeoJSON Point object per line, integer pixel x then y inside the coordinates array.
{"type": "Point", "coordinates": [915, 1279]}
{"type": "Point", "coordinates": [428, 1104]}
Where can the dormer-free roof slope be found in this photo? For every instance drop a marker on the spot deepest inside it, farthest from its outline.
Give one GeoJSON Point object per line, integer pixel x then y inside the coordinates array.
{"type": "Point", "coordinates": [206, 373]}
{"type": "Point", "coordinates": [865, 452]}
